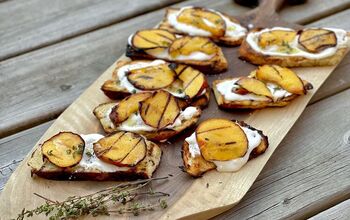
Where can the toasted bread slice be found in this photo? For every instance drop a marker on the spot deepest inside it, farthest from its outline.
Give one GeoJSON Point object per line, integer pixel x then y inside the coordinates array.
{"type": "Point", "coordinates": [114, 89]}
{"type": "Point", "coordinates": [252, 104]}
{"type": "Point", "coordinates": [196, 165]}
{"type": "Point", "coordinates": [42, 167]}
{"type": "Point", "coordinates": [226, 40]}
{"type": "Point", "coordinates": [102, 113]}
{"type": "Point", "coordinates": [217, 62]}
{"type": "Point", "coordinates": [248, 53]}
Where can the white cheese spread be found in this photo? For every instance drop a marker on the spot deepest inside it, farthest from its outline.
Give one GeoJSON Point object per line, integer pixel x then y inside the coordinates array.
{"type": "Point", "coordinates": [342, 41]}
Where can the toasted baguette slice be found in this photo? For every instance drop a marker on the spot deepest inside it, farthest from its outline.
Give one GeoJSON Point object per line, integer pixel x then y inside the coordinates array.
{"type": "Point", "coordinates": [102, 113]}
{"type": "Point", "coordinates": [197, 166]}
{"type": "Point", "coordinates": [114, 90]}
{"type": "Point", "coordinates": [226, 40]}
{"type": "Point", "coordinates": [42, 167]}
{"type": "Point", "coordinates": [253, 104]}
{"type": "Point", "coordinates": [248, 53]}
{"type": "Point", "coordinates": [216, 64]}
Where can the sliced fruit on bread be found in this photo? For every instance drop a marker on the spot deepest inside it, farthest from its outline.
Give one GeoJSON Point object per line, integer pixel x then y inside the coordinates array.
{"type": "Point", "coordinates": [268, 86]}
{"type": "Point", "coordinates": [197, 21]}
{"type": "Point", "coordinates": [158, 117]}
{"type": "Point", "coordinates": [290, 48]}
{"type": "Point", "coordinates": [199, 52]}
{"type": "Point", "coordinates": [223, 145]}
{"type": "Point", "coordinates": [184, 82]}
{"type": "Point", "coordinates": [119, 156]}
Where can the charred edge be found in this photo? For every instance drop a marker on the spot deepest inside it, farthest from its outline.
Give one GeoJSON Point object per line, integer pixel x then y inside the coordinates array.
{"type": "Point", "coordinates": [243, 124]}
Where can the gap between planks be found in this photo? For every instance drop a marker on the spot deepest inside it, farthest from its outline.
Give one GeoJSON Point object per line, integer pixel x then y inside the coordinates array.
{"type": "Point", "coordinates": [106, 18]}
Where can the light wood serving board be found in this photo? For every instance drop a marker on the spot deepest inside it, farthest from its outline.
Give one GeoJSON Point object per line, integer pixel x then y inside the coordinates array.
{"type": "Point", "coordinates": [190, 198]}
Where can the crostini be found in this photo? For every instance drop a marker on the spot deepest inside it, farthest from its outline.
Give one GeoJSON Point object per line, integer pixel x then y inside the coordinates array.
{"type": "Point", "coordinates": [119, 156]}
{"type": "Point", "coordinates": [156, 115]}
{"type": "Point", "coordinates": [199, 52]}
{"type": "Point", "coordinates": [223, 145]}
{"type": "Point", "coordinates": [268, 86]}
{"type": "Point", "coordinates": [291, 48]}
{"type": "Point", "coordinates": [186, 83]}
{"type": "Point", "coordinates": [197, 21]}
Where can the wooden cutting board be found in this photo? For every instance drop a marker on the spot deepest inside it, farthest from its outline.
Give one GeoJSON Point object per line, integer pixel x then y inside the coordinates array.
{"type": "Point", "coordinates": [200, 198]}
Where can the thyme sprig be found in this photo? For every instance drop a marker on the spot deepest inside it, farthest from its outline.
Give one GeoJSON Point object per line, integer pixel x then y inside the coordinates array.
{"type": "Point", "coordinates": [120, 199]}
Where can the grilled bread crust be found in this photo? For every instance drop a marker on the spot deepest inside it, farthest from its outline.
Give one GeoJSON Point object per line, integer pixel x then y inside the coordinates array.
{"type": "Point", "coordinates": [42, 167]}
{"type": "Point", "coordinates": [197, 166]}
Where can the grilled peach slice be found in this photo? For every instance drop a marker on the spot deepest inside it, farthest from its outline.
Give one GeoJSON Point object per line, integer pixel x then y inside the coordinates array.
{"type": "Point", "coordinates": [159, 110]}
{"type": "Point", "coordinates": [193, 80]}
{"type": "Point", "coordinates": [317, 40]}
{"type": "Point", "coordinates": [281, 76]}
{"type": "Point", "coordinates": [203, 19]}
{"type": "Point", "coordinates": [65, 149]}
{"type": "Point", "coordinates": [221, 139]}
{"type": "Point", "coordinates": [152, 77]}
{"type": "Point", "coordinates": [187, 45]}
{"type": "Point", "coordinates": [152, 38]}
{"type": "Point", "coordinates": [276, 37]}
{"type": "Point", "coordinates": [254, 86]}
{"type": "Point", "coordinates": [127, 106]}
{"type": "Point", "coordinates": [121, 149]}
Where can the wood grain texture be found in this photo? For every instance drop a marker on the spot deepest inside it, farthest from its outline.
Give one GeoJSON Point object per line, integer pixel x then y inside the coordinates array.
{"type": "Point", "coordinates": [338, 212]}
{"type": "Point", "coordinates": [27, 25]}
{"type": "Point", "coordinates": [49, 79]}
{"type": "Point", "coordinates": [308, 172]}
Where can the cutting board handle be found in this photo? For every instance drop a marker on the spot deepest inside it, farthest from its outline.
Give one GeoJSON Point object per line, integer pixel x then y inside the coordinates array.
{"type": "Point", "coordinates": [265, 15]}
{"type": "Point", "coordinates": [269, 7]}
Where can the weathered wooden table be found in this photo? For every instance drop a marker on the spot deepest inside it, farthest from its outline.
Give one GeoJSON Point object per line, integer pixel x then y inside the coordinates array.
{"type": "Point", "coordinates": [50, 51]}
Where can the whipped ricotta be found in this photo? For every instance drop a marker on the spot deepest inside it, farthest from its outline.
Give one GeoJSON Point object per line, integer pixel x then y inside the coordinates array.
{"type": "Point", "coordinates": [342, 42]}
